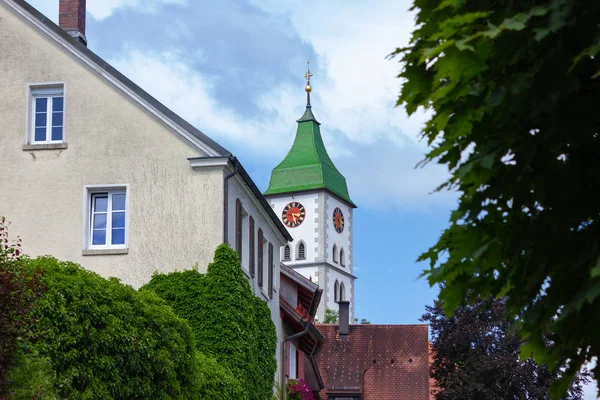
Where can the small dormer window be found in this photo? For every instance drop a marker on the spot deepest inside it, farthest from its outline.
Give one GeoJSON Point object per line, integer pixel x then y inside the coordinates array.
{"type": "Point", "coordinates": [301, 251]}
{"type": "Point", "coordinates": [47, 115]}
{"type": "Point", "coordinates": [287, 256]}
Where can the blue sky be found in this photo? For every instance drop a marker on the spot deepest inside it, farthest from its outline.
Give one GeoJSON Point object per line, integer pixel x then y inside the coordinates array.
{"type": "Point", "coordinates": [234, 68]}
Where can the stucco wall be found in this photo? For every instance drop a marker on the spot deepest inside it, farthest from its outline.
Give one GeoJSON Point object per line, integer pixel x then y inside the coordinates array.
{"type": "Point", "coordinates": [175, 215]}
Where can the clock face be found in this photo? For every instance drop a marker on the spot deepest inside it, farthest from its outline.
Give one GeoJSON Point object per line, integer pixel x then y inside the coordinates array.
{"type": "Point", "coordinates": [293, 214]}
{"type": "Point", "coordinates": [338, 220]}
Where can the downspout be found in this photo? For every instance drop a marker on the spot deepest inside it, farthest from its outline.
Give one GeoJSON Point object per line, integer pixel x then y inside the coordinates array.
{"type": "Point", "coordinates": [287, 339]}
{"type": "Point", "coordinates": [226, 199]}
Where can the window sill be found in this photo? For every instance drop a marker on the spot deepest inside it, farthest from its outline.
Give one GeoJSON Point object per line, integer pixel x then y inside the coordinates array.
{"type": "Point", "coordinates": [44, 146]}
{"type": "Point", "coordinates": [104, 252]}
{"type": "Point", "coordinates": [247, 273]}
{"type": "Point", "coordinates": [265, 295]}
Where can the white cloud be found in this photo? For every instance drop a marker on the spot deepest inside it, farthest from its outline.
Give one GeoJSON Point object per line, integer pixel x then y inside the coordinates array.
{"type": "Point", "coordinates": [353, 39]}
{"type": "Point", "coordinates": [189, 92]}
{"type": "Point", "coordinates": [101, 9]}
{"type": "Point", "coordinates": [373, 144]}
{"type": "Point", "coordinates": [383, 175]}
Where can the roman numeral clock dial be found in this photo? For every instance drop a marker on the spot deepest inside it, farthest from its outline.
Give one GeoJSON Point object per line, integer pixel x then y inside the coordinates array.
{"type": "Point", "coordinates": [293, 214]}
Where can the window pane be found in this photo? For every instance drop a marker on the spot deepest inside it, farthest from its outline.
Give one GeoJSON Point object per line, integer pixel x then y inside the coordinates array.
{"type": "Point", "coordinates": [40, 119]}
{"type": "Point", "coordinates": [101, 202]}
{"type": "Point", "coordinates": [57, 104]}
{"type": "Point", "coordinates": [99, 221]}
{"type": "Point", "coordinates": [99, 237]}
{"type": "Point", "coordinates": [118, 202]}
{"type": "Point", "coordinates": [57, 133]}
{"type": "Point", "coordinates": [40, 134]}
{"type": "Point", "coordinates": [57, 118]}
{"type": "Point", "coordinates": [118, 236]}
{"type": "Point", "coordinates": [118, 220]}
{"type": "Point", "coordinates": [41, 104]}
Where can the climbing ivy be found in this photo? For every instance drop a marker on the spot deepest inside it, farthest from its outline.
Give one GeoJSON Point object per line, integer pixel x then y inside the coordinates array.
{"type": "Point", "coordinates": [228, 321]}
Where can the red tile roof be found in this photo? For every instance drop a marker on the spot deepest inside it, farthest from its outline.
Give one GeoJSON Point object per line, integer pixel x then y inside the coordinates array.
{"type": "Point", "coordinates": [381, 362]}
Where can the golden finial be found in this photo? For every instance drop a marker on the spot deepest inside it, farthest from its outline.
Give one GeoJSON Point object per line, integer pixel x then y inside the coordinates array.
{"type": "Point", "coordinates": [308, 88]}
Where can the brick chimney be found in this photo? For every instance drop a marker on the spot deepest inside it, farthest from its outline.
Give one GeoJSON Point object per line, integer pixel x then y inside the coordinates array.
{"type": "Point", "coordinates": [71, 17]}
{"type": "Point", "coordinates": [344, 319]}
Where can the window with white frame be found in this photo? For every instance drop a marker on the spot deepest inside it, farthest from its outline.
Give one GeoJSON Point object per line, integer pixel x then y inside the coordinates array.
{"type": "Point", "coordinates": [47, 115]}
{"type": "Point", "coordinates": [108, 219]}
{"type": "Point", "coordinates": [287, 254]}
{"type": "Point", "coordinates": [293, 362]}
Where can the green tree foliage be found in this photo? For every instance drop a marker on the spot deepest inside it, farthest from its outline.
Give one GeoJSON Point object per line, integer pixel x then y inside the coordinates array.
{"type": "Point", "coordinates": [103, 340]}
{"type": "Point", "coordinates": [476, 357]}
{"type": "Point", "coordinates": [513, 89]}
{"type": "Point", "coordinates": [229, 322]}
{"type": "Point", "coordinates": [18, 293]}
{"type": "Point", "coordinates": [332, 316]}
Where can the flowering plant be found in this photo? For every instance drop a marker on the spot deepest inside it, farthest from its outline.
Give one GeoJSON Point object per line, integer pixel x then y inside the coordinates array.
{"type": "Point", "coordinates": [298, 389]}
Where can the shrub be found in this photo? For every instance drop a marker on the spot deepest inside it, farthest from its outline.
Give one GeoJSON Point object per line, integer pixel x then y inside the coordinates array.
{"type": "Point", "coordinates": [229, 322]}
{"type": "Point", "coordinates": [18, 293]}
{"type": "Point", "coordinates": [298, 389]}
{"type": "Point", "coordinates": [105, 340]}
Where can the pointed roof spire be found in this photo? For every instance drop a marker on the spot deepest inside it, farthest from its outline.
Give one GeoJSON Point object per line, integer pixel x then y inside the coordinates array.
{"type": "Point", "coordinates": [307, 166]}
{"type": "Point", "coordinates": [308, 115]}
{"type": "Point", "coordinates": [308, 88]}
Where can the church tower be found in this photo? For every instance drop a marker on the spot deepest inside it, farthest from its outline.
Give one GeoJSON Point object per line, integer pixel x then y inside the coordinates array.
{"type": "Point", "coordinates": [311, 197]}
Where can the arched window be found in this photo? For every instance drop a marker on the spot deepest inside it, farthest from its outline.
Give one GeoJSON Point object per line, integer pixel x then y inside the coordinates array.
{"type": "Point", "coordinates": [287, 256]}
{"type": "Point", "coordinates": [335, 254]}
{"type": "Point", "coordinates": [342, 258]}
{"type": "Point", "coordinates": [301, 254]}
{"type": "Point", "coordinates": [342, 292]}
{"type": "Point", "coordinates": [336, 289]}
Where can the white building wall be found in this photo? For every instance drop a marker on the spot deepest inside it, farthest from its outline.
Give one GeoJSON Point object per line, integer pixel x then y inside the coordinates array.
{"type": "Point", "coordinates": [307, 231]}
{"type": "Point", "coordinates": [318, 229]}
{"type": "Point", "coordinates": [111, 140]}
{"type": "Point", "coordinates": [175, 215]}
{"type": "Point", "coordinates": [239, 190]}
{"type": "Point", "coordinates": [341, 240]}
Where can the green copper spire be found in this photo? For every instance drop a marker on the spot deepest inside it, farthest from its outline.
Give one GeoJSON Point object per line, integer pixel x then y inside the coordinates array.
{"type": "Point", "coordinates": [307, 166]}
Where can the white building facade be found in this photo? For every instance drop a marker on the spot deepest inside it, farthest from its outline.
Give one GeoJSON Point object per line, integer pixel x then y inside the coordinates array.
{"type": "Point", "coordinates": [96, 171]}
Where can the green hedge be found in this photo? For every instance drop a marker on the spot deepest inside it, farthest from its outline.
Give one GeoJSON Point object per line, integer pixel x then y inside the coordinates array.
{"type": "Point", "coordinates": [229, 322]}
{"type": "Point", "coordinates": [104, 340]}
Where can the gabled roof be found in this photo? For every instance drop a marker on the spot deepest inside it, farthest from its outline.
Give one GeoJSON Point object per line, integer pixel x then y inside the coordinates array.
{"type": "Point", "coordinates": [308, 166]}
{"type": "Point", "coordinates": [380, 362]}
{"type": "Point", "coordinates": [189, 133]}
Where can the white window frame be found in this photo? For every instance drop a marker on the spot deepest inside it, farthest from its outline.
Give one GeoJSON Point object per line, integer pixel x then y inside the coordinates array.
{"type": "Point", "coordinates": [293, 361]}
{"type": "Point", "coordinates": [88, 194]}
{"type": "Point", "coordinates": [48, 91]}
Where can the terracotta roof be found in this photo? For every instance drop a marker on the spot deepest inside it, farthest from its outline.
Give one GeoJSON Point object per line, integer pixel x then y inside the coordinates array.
{"type": "Point", "coordinates": [381, 362]}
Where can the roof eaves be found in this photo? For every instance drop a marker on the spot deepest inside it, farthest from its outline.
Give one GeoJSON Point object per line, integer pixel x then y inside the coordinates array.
{"type": "Point", "coordinates": [298, 278]}
{"type": "Point", "coordinates": [248, 180]}
{"type": "Point", "coordinates": [114, 73]}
